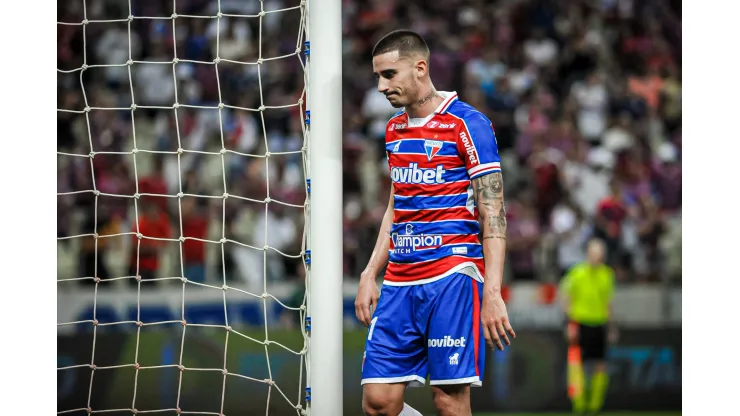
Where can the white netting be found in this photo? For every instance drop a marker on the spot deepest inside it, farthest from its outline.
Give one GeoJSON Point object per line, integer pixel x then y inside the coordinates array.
{"type": "Point", "coordinates": [261, 293]}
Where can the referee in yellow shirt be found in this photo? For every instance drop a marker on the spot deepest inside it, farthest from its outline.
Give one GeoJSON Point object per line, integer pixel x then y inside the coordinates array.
{"type": "Point", "coordinates": [587, 290]}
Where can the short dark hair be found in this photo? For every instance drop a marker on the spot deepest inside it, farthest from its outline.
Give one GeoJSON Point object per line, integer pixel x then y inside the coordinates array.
{"type": "Point", "coordinates": [406, 42]}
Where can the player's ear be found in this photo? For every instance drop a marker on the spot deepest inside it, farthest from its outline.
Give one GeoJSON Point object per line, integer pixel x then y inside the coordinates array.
{"type": "Point", "coordinates": [422, 68]}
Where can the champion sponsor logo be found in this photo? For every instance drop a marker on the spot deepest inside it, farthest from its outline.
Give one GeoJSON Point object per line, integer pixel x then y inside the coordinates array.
{"type": "Point", "coordinates": [416, 175]}
{"type": "Point", "coordinates": [431, 147]}
{"type": "Point", "coordinates": [446, 341]}
{"type": "Point", "coordinates": [405, 244]}
{"type": "Point", "coordinates": [469, 149]}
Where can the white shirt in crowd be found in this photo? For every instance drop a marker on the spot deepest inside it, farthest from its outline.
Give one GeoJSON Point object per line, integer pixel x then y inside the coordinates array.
{"type": "Point", "coordinates": [113, 50]}
{"type": "Point", "coordinates": [587, 185]}
{"type": "Point", "coordinates": [592, 101]}
{"type": "Point", "coordinates": [617, 139]}
{"type": "Point", "coordinates": [572, 236]}
{"type": "Point", "coordinates": [541, 52]}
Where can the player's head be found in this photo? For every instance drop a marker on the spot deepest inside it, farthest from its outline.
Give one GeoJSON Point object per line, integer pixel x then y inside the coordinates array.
{"type": "Point", "coordinates": [401, 64]}
{"type": "Point", "coordinates": [596, 251]}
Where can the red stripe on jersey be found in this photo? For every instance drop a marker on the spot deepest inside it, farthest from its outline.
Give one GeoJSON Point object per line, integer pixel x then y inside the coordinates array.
{"type": "Point", "coordinates": [431, 215]}
{"type": "Point", "coordinates": [415, 189]}
{"type": "Point", "coordinates": [404, 159]}
{"type": "Point", "coordinates": [403, 273]}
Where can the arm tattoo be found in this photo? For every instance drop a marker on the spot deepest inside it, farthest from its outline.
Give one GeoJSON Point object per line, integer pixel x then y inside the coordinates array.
{"type": "Point", "coordinates": [489, 198]}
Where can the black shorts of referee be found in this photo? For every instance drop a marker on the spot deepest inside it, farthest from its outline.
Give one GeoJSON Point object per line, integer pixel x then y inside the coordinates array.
{"type": "Point", "coordinates": [592, 339]}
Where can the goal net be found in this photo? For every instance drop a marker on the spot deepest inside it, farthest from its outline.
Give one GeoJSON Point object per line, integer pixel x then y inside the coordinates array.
{"type": "Point", "coordinates": [202, 108]}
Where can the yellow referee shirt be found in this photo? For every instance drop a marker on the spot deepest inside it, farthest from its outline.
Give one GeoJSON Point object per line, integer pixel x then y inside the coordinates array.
{"type": "Point", "coordinates": [590, 290]}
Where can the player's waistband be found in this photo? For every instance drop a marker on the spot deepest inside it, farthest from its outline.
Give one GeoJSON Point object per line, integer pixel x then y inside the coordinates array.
{"type": "Point", "coordinates": [468, 268]}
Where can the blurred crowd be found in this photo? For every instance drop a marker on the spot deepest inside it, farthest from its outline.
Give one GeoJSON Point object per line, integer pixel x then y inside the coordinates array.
{"type": "Point", "coordinates": [584, 95]}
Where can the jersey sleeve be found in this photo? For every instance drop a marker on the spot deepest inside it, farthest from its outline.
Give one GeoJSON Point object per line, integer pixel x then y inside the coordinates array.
{"type": "Point", "coordinates": [476, 143]}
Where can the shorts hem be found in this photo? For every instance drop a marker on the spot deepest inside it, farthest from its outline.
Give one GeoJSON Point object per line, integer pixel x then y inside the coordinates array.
{"type": "Point", "coordinates": [414, 380]}
{"type": "Point", "coordinates": [474, 381]}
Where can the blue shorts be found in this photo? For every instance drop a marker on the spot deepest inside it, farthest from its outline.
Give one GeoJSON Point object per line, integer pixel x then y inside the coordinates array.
{"type": "Point", "coordinates": [430, 329]}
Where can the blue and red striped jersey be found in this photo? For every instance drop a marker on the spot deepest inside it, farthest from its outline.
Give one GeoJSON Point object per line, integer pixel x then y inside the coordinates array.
{"type": "Point", "coordinates": [432, 162]}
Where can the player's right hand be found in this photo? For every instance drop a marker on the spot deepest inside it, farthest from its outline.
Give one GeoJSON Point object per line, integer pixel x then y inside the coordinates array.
{"type": "Point", "coordinates": [367, 298]}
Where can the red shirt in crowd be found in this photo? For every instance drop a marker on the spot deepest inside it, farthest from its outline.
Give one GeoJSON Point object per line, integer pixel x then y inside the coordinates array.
{"type": "Point", "coordinates": [154, 185]}
{"type": "Point", "coordinates": [193, 251]}
{"type": "Point", "coordinates": [614, 212]}
{"type": "Point", "coordinates": [157, 227]}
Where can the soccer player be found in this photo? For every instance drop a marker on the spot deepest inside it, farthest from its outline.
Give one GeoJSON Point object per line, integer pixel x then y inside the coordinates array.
{"type": "Point", "coordinates": [441, 297]}
{"type": "Point", "coordinates": [587, 290]}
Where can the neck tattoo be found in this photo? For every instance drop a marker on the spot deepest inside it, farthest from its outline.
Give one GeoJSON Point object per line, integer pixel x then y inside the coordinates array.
{"type": "Point", "coordinates": [428, 97]}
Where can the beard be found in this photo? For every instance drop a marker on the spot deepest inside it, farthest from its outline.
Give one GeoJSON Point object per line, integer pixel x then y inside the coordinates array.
{"type": "Point", "coordinates": [396, 104]}
{"type": "Point", "coordinates": [397, 101]}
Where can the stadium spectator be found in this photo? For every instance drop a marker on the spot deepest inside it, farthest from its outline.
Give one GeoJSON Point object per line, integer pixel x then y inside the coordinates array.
{"type": "Point", "coordinates": [611, 213]}
{"type": "Point", "coordinates": [571, 231]}
{"type": "Point", "coordinates": [194, 225]}
{"type": "Point", "coordinates": [523, 234]}
{"type": "Point", "coordinates": [155, 184]}
{"type": "Point", "coordinates": [155, 224]}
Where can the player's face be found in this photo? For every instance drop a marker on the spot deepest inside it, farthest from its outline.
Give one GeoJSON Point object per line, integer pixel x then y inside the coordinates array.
{"type": "Point", "coordinates": [398, 78]}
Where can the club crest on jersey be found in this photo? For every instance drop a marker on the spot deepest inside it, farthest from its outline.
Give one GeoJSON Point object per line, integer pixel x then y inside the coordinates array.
{"type": "Point", "coordinates": [432, 148]}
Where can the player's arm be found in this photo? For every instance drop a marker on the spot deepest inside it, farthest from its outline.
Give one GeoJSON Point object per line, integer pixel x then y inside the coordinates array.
{"type": "Point", "coordinates": [477, 145]}
{"type": "Point", "coordinates": [489, 198]}
{"type": "Point", "coordinates": [367, 291]}
{"type": "Point", "coordinates": [379, 256]}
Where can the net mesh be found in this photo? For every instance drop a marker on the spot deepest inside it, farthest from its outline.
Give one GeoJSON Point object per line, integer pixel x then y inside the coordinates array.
{"type": "Point", "coordinates": [296, 402]}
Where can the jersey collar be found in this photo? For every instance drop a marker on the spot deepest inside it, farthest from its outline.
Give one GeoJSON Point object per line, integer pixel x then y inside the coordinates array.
{"type": "Point", "coordinates": [449, 98]}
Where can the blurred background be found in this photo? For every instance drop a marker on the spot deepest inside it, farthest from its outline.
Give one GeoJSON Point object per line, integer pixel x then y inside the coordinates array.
{"type": "Point", "coordinates": [585, 98]}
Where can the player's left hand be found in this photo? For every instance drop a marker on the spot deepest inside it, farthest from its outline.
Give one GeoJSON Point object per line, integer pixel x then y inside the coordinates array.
{"type": "Point", "coordinates": [495, 321]}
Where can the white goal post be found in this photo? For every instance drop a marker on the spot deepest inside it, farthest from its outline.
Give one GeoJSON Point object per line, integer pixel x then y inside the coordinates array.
{"type": "Point", "coordinates": [325, 209]}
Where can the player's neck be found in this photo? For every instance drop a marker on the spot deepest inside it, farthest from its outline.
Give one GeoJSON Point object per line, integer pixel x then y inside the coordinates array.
{"type": "Point", "coordinates": [424, 106]}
